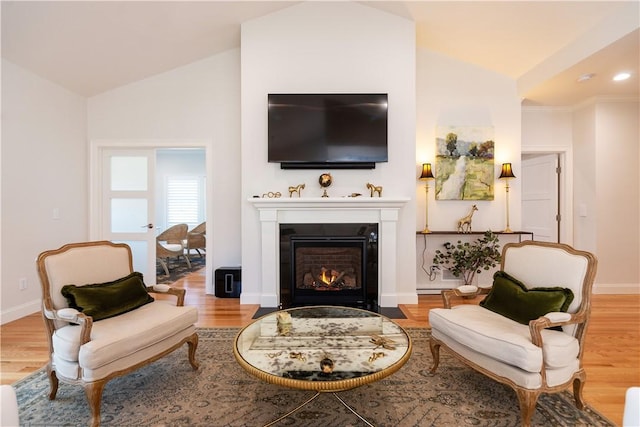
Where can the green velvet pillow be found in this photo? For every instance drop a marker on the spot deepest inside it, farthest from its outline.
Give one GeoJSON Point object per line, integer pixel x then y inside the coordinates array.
{"type": "Point", "coordinates": [511, 298]}
{"type": "Point", "coordinates": [104, 300]}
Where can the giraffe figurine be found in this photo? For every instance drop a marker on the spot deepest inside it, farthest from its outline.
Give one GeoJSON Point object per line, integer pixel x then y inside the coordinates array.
{"type": "Point", "coordinates": [464, 223]}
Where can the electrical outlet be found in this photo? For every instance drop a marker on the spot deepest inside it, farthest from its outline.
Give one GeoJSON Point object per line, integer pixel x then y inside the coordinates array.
{"type": "Point", "coordinates": [23, 283]}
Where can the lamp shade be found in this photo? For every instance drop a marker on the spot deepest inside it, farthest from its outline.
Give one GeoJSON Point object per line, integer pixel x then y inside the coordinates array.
{"type": "Point", "coordinates": [506, 171]}
{"type": "Point", "coordinates": [426, 171]}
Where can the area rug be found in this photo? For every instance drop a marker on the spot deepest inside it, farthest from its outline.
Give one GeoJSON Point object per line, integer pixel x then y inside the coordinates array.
{"type": "Point", "coordinates": [178, 268]}
{"type": "Point", "coordinates": [222, 394]}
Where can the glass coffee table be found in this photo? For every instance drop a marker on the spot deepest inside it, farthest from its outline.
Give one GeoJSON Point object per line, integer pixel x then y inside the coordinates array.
{"type": "Point", "coordinates": [325, 349]}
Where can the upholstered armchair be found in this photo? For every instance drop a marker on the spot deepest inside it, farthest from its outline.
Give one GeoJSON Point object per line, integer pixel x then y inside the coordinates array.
{"type": "Point", "coordinates": [196, 239]}
{"type": "Point", "coordinates": [102, 321]}
{"type": "Point", "coordinates": [171, 244]}
{"type": "Point", "coordinates": [529, 331]}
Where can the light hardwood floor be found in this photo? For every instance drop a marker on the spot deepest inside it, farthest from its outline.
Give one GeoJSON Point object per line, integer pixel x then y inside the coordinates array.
{"type": "Point", "coordinates": [612, 358]}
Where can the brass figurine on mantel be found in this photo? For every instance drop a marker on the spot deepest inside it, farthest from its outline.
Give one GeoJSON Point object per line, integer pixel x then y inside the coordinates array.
{"type": "Point", "coordinates": [325, 180]}
{"type": "Point", "coordinates": [296, 189]}
{"type": "Point", "coordinates": [375, 189]}
{"type": "Point", "coordinates": [464, 223]}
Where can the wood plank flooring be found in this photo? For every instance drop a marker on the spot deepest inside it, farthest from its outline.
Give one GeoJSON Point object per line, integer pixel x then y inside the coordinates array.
{"type": "Point", "coordinates": [612, 357]}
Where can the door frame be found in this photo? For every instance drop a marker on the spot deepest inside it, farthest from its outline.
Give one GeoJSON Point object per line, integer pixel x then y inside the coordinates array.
{"type": "Point", "coordinates": [96, 219]}
{"type": "Point", "coordinates": [565, 161]}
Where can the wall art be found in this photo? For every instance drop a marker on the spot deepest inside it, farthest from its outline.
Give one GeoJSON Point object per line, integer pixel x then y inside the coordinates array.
{"type": "Point", "coordinates": [464, 163]}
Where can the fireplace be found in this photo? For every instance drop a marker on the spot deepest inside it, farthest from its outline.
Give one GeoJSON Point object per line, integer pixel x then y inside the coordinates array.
{"type": "Point", "coordinates": [329, 264]}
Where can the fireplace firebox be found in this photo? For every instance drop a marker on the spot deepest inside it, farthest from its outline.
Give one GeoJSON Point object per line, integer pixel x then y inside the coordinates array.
{"type": "Point", "coordinates": [328, 264]}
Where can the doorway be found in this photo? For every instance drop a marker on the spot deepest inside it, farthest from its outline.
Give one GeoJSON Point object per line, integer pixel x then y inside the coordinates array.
{"type": "Point", "coordinates": [155, 213]}
{"type": "Point", "coordinates": [180, 198]}
{"type": "Point", "coordinates": [546, 196]}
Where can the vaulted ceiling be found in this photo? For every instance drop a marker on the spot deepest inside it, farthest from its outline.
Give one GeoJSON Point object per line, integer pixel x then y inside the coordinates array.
{"type": "Point", "coordinates": [545, 46]}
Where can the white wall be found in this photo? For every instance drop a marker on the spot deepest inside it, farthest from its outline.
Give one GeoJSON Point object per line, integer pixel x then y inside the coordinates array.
{"type": "Point", "coordinates": [550, 130]}
{"type": "Point", "coordinates": [200, 101]}
{"type": "Point", "coordinates": [546, 129]}
{"type": "Point", "coordinates": [44, 172]}
{"type": "Point", "coordinates": [450, 92]}
{"type": "Point", "coordinates": [603, 140]}
{"type": "Point", "coordinates": [617, 189]}
{"type": "Point", "coordinates": [328, 47]}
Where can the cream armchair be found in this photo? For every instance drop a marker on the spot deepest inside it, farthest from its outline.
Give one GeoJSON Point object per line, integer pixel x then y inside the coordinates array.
{"type": "Point", "coordinates": [507, 336]}
{"type": "Point", "coordinates": [121, 326]}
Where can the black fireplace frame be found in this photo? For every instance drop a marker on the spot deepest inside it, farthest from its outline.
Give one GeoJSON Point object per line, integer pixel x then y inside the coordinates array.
{"type": "Point", "coordinates": [365, 234]}
{"type": "Point", "coordinates": [346, 296]}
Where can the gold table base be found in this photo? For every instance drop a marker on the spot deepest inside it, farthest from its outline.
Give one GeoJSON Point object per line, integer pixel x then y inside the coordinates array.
{"type": "Point", "coordinates": [311, 400]}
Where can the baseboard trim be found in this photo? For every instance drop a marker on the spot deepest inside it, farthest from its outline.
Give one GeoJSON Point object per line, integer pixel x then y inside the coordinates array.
{"type": "Point", "coordinates": [616, 288]}
{"type": "Point", "coordinates": [20, 311]}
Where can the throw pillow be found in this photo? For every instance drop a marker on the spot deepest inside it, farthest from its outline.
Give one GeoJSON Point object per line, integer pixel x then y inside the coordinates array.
{"type": "Point", "coordinates": [511, 298]}
{"type": "Point", "coordinates": [104, 300]}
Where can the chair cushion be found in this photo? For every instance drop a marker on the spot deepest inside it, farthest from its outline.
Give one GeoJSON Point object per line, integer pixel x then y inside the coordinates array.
{"type": "Point", "coordinates": [144, 327]}
{"type": "Point", "coordinates": [511, 298]}
{"type": "Point", "coordinates": [104, 300]}
{"type": "Point", "coordinates": [503, 339]}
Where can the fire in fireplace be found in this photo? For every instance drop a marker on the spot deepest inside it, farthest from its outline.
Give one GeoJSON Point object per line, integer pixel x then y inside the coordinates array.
{"type": "Point", "coordinates": [333, 264]}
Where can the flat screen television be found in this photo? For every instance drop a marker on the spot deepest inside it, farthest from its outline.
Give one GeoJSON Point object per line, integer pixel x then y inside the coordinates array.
{"type": "Point", "coordinates": [337, 130]}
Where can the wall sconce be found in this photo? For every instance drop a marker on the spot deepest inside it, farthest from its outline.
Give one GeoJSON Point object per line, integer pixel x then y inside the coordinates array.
{"type": "Point", "coordinates": [507, 173]}
{"type": "Point", "coordinates": [426, 176]}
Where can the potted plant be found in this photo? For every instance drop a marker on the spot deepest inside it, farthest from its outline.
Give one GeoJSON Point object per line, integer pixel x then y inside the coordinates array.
{"type": "Point", "coordinates": [468, 258]}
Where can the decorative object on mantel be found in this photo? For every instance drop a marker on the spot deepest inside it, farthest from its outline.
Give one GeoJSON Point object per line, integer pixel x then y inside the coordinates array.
{"type": "Point", "coordinates": [468, 258]}
{"type": "Point", "coordinates": [426, 176]}
{"type": "Point", "coordinates": [272, 195]}
{"type": "Point", "coordinates": [375, 189]}
{"type": "Point", "coordinates": [355, 195]}
{"type": "Point", "coordinates": [296, 189]}
{"type": "Point", "coordinates": [325, 180]}
{"type": "Point", "coordinates": [464, 223]}
{"type": "Point", "coordinates": [507, 173]}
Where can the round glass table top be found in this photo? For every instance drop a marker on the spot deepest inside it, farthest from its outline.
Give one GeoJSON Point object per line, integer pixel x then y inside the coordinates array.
{"type": "Point", "coordinates": [322, 348]}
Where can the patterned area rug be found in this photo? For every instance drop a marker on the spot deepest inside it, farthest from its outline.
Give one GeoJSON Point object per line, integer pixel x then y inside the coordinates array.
{"type": "Point", "coordinates": [221, 393]}
{"type": "Point", "coordinates": [178, 268]}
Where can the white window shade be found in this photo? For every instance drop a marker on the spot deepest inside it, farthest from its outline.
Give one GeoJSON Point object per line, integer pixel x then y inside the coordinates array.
{"type": "Point", "coordinates": [185, 200]}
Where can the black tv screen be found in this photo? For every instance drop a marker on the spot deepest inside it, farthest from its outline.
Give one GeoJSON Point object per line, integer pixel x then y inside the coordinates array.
{"type": "Point", "coordinates": [327, 130]}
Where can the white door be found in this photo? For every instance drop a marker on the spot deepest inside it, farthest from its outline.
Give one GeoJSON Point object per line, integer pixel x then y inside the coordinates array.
{"type": "Point", "coordinates": [540, 195]}
{"type": "Point", "coordinates": [127, 204]}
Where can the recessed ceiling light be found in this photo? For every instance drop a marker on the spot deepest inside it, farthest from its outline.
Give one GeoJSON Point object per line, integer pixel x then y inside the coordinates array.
{"type": "Point", "coordinates": [621, 76]}
{"type": "Point", "coordinates": [585, 77]}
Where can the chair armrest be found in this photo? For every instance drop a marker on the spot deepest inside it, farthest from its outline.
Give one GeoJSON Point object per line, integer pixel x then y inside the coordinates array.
{"type": "Point", "coordinates": [448, 294]}
{"type": "Point", "coordinates": [550, 320]}
{"type": "Point", "coordinates": [166, 289]}
{"type": "Point", "coordinates": [71, 315]}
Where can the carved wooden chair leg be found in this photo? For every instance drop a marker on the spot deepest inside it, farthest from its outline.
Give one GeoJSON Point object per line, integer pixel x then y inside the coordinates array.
{"type": "Point", "coordinates": [578, 386]}
{"type": "Point", "coordinates": [528, 400]}
{"type": "Point", "coordinates": [93, 392]}
{"type": "Point", "coordinates": [193, 345]}
{"type": "Point", "coordinates": [53, 382]}
{"type": "Point", "coordinates": [435, 353]}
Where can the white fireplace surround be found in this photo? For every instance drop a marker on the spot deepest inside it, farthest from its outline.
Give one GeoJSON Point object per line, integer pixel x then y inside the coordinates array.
{"type": "Point", "coordinates": [383, 211]}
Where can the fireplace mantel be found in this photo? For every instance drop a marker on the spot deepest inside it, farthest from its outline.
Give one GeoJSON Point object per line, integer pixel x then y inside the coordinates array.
{"type": "Point", "coordinates": [318, 210]}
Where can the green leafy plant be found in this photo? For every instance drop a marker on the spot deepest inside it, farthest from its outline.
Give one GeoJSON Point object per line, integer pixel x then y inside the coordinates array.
{"type": "Point", "coordinates": [468, 258]}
